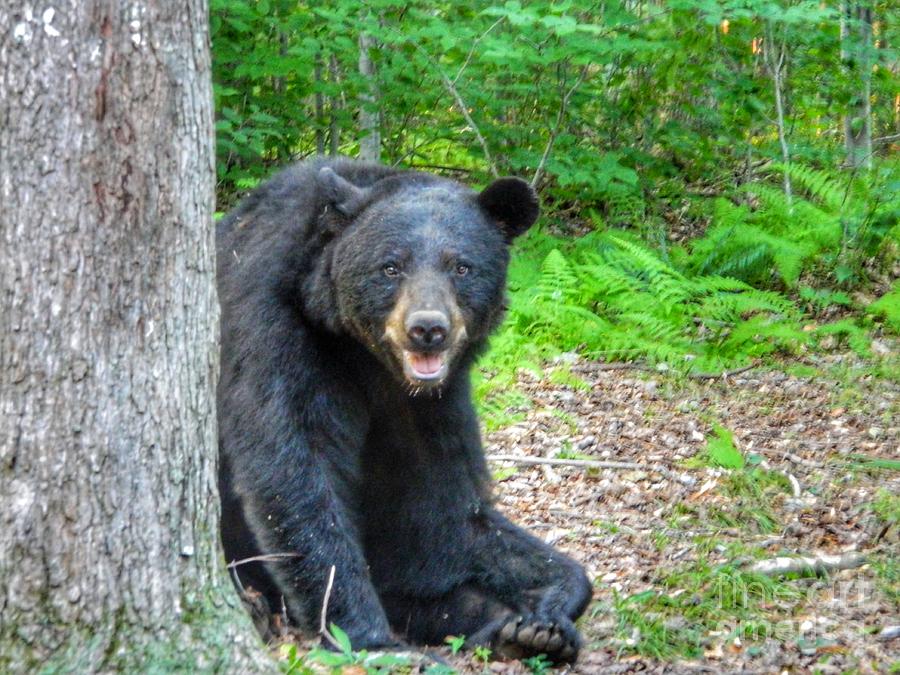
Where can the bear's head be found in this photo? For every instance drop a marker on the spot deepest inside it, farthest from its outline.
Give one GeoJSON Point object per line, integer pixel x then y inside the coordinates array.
{"type": "Point", "coordinates": [417, 268]}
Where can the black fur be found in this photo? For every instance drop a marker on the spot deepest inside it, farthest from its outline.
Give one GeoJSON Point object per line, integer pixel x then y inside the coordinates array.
{"type": "Point", "coordinates": [328, 452]}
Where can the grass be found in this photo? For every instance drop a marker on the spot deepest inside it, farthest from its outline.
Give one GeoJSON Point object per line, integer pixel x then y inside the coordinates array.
{"type": "Point", "coordinates": [690, 608]}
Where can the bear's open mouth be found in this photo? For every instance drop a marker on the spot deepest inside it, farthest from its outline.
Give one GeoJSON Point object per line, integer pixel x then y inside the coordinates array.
{"type": "Point", "coordinates": [424, 367]}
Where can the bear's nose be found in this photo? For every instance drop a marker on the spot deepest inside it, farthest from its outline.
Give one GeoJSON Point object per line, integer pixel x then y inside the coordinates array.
{"type": "Point", "coordinates": [427, 330]}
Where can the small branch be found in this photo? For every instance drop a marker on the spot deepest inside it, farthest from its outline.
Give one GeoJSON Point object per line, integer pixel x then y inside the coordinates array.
{"type": "Point", "coordinates": [439, 167]}
{"type": "Point", "coordinates": [237, 580]}
{"type": "Point", "coordinates": [269, 557]}
{"type": "Point", "coordinates": [590, 464]}
{"type": "Point", "coordinates": [284, 618]}
{"type": "Point", "coordinates": [472, 48]}
{"type": "Point", "coordinates": [323, 628]}
{"type": "Point", "coordinates": [624, 366]}
{"type": "Point", "coordinates": [460, 103]}
{"type": "Point", "coordinates": [885, 139]}
{"type": "Point", "coordinates": [560, 115]}
{"type": "Point", "coordinates": [465, 113]}
{"type": "Point", "coordinates": [819, 564]}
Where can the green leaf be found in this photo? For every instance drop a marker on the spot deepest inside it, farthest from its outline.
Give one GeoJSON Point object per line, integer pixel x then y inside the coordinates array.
{"type": "Point", "coordinates": [341, 638]}
{"type": "Point", "coordinates": [722, 451]}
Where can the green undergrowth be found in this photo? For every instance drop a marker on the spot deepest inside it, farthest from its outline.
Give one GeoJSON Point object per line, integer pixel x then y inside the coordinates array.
{"type": "Point", "coordinates": [757, 285]}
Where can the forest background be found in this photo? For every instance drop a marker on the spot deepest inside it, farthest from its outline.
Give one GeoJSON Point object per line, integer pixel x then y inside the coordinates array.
{"type": "Point", "coordinates": [719, 178]}
{"type": "Point", "coordinates": [721, 189]}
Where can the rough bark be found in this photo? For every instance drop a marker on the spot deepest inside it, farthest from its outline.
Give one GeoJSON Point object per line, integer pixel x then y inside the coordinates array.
{"type": "Point", "coordinates": [109, 549]}
{"type": "Point", "coordinates": [369, 126]}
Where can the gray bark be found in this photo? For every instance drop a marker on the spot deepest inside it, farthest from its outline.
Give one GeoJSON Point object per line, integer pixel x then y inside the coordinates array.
{"type": "Point", "coordinates": [856, 57]}
{"type": "Point", "coordinates": [369, 126]}
{"type": "Point", "coordinates": [109, 547]}
{"type": "Point", "coordinates": [335, 105]}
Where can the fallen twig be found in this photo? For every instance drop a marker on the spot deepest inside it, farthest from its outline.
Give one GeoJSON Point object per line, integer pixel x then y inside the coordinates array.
{"type": "Point", "coordinates": [795, 484]}
{"type": "Point", "coordinates": [818, 564]}
{"type": "Point", "coordinates": [590, 464]}
{"type": "Point", "coordinates": [724, 375]}
{"type": "Point", "coordinates": [796, 459]}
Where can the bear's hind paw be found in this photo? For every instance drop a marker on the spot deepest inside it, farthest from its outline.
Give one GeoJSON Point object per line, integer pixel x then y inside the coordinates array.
{"type": "Point", "coordinates": [522, 637]}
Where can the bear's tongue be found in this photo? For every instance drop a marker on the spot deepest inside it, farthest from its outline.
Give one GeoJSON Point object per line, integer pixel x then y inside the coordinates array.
{"type": "Point", "coordinates": [425, 364]}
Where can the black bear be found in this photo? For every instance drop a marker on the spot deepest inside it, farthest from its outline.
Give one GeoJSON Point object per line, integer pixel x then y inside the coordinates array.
{"type": "Point", "coordinates": [355, 298]}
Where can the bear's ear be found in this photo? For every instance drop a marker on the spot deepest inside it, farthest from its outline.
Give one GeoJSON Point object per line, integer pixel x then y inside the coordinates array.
{"type": "Point", "coordinates": [346, 197]}
{"type": "Point", "coordinates": [512, 203]}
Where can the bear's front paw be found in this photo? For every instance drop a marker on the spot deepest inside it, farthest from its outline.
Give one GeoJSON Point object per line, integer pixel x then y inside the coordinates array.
{"type": "Point", "coordinates": [530, 635]}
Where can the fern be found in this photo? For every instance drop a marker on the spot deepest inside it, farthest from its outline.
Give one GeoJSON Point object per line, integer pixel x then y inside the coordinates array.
{"type": "Point", "coordinates": [611, 297]}
{"type": "Point", "coordinates": [826, 222]}
{"type": "Point", "coordinates": [608, 295]}
{"type": "Point", "coordinates": [819, 185]}
{"type": "Point", "coordinates": [857, 338]}
{"type": "Point", "coordinates": [888, 307]}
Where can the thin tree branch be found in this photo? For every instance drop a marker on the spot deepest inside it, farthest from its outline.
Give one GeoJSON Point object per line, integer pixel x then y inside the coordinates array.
{"type": "Point", "coordinates": [454, 92]}
{"type": "Point", "coordinates": [539, 172]}
{"type": "Point", "coordinates": [886, 139]}
{"type": "Point", "coordinates": [472, 48]}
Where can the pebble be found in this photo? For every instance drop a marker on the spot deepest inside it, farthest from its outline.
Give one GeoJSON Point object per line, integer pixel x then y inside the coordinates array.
{"type": "Point", "coordinates": [586, 442]}
{"type": "Point", "coordinates": [889, 633]}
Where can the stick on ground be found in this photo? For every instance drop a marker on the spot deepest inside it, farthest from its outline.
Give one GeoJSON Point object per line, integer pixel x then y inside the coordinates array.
{"type": "Point", "coordinates": [818, 564]}
{"type": "Point", "coordinates": [590, 464]}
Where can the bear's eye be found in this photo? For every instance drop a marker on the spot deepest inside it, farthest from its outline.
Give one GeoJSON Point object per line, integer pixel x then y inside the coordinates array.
{"type": "Point", "coordinates": [462, 269]}
{"type": "Point", "coordinates": [391, 270]}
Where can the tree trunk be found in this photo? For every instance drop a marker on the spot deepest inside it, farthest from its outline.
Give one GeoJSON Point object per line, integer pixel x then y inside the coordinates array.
{"type": "Point", "coordinates": [319, 104]}
{"type": "Point", "coordinates": [369, 128]}
{"type": "Point", "coordinates": [856, 57]}
{"type": "Point", "coordinates": [109, 546]}
{"type": "Point", "coordinates": [335, 106]}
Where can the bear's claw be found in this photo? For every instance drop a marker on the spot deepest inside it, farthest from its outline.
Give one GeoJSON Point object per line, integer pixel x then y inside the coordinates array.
{"type": "Point", "coordinates": [522, 637]}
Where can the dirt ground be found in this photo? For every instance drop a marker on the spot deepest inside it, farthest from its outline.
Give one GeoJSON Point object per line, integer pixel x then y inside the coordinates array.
{"type": "Point", "coordinates": [817, 428]}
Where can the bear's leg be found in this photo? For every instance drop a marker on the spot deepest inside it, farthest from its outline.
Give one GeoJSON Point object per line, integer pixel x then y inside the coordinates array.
{"type": "Point", "coordinates": [545, 590]}
{"type": "Point", "coordinates": [292, 507]}
{"type": "Point", "coordinates": [463, 611]}
{"type": "Point", "coordinates": [477, 615]}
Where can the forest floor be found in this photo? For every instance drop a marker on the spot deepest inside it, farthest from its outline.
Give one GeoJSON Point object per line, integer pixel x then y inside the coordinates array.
{"type": "Point", "coordinates": [670, 538]}
{"type": "Point", "coordinates": [670, 543]}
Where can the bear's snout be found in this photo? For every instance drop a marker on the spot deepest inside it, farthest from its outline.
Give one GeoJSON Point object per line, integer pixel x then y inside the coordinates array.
{"type": "Point", "coordinates": [427, 330]}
